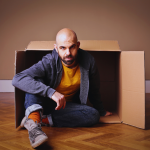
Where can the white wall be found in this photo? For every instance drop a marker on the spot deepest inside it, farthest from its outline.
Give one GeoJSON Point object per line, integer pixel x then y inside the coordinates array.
{"type": "Point", "coordinates": [6, 86]}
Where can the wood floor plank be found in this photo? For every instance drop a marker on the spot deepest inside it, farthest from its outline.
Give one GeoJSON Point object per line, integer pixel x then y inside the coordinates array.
{"type": "Point", "coordinates": [3, 148]}
{"type": "Point", "coordinates": [80, 145]}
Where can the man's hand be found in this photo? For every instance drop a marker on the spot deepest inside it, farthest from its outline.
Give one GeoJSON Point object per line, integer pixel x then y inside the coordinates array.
{"type": "Point", "coordinates": [59, 99]}
{"type": "Point", "coordinates": [108, 113]}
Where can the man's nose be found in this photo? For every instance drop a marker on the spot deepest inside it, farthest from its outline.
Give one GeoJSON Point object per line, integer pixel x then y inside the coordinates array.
{"type": "Point", "coordinates": [68, 51]}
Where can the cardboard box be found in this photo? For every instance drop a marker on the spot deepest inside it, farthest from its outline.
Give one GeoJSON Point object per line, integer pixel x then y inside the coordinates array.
{"type": "Point", "coordinates": [122, 77]}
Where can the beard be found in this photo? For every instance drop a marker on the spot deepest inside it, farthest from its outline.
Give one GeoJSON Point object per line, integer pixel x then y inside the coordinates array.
{"type": "Point", "coordinates": [68, 62]}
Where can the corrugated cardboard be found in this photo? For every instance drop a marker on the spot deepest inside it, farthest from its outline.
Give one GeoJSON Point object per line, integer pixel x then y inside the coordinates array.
{"type": "Point", "coordinates": [122, 78]}
{"type": "Point", "coordinates": [133, 88]}
{"type": "Point", "coordinates": [95, 45]}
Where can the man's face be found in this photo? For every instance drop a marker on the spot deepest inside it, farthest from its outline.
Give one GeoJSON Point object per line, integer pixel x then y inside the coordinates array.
{"type": "Point", "coordinates": [67, 51]}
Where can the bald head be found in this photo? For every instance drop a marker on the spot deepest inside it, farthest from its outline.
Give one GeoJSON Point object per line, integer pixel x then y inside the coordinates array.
{"type": "Point", "coordinates": [67, 46]}
{"type": "Point", "coordinates": [66, 35]}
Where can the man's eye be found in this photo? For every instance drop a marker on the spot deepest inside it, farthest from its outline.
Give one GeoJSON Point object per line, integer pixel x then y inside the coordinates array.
{"type": "Point", "coordinates": [62, 48]}
{"type": "Point", "coordinates": [73, 46]}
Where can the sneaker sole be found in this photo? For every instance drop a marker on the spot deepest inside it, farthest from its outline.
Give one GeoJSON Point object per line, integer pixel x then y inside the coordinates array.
{"type": "Point", "coordinates": [40, 142]}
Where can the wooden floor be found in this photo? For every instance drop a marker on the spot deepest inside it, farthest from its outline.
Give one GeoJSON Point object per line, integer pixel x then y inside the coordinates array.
{"type": "Point", "coordinates": [99, 137]}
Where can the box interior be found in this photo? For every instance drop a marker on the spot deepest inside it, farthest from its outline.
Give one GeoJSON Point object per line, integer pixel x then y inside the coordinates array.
{"type": "Point", "coordinates": [108, 65]}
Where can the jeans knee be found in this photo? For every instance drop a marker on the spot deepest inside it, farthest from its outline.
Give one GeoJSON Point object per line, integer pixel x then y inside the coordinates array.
{"type": "Point", "coordinates": [95, 115]}
{"type": "Point", "coordinates": [92, 116]}
{"type": "Point", "coordinates": [31, 99]}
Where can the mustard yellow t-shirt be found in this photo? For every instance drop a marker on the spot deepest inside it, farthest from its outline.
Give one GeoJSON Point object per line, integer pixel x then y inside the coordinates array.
{"type": "Point", "coordinates": [70, 82]}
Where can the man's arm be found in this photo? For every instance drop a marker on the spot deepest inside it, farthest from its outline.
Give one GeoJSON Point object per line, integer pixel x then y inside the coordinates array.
{"type": "Point", "coordinates": [26, 80]}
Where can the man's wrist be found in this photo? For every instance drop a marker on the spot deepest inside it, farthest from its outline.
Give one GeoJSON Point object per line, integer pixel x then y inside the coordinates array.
{"type": "Point", "coordinates": [50, 92]}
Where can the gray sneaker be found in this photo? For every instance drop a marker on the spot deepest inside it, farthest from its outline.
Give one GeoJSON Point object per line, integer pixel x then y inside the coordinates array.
{"type": "Point", "coordinates": [36, 135]}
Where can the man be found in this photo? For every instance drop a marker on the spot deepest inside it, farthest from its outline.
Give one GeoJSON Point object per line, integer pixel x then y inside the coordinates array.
{"type": "Point", "coordinates": [58, 86]}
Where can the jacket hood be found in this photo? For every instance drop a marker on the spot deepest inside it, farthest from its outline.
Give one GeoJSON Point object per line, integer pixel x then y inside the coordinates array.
{"type": "Point", "coordinates": [58, 60]}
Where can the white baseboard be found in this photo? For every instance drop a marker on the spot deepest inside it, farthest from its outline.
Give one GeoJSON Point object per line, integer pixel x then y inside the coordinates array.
{"type": "Point", "coordinates": [6, 86]}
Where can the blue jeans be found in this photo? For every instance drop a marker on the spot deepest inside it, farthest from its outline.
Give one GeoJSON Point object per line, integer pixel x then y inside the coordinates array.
{"type": "Point", "coordinates": [73, 115]}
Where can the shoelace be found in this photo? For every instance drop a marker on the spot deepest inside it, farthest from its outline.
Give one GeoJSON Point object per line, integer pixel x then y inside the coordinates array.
{"type": "Point", "coordinates": [35, 132]}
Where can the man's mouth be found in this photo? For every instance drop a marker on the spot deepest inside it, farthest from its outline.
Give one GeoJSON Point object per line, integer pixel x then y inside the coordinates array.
{"type": "Point", "coordinates": [69, 58]}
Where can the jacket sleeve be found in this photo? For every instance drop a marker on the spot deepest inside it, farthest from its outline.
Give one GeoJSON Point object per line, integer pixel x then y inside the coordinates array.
{"type": "Point", "coordinates": [94, 89]}
{"type": "Point", "coordinates": [26, 80]}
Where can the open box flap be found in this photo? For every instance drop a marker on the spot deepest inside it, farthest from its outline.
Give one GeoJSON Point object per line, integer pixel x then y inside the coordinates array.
{"type": "Point", "coordinates": [94, 45]}
{"type": "Point", "coordinates": [133, 88]}
{"type": "Point", "coordinates": [99, 45]}
{"type": "Point", "coordinates": [41, 45]}
{"type": "Point", "coordinates": [19, 95]}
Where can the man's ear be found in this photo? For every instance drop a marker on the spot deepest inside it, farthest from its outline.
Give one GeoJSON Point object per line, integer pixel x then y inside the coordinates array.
{"type": "Point", "coordinates": [55, 46]}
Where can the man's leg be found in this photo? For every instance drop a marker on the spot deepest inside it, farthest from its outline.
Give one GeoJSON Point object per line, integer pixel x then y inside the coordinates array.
{"type": "Point", "coordinates": [35, 104]}
{"type": "Point", "coordinates": [32, 120]}
{"type": "Point", "coordinates": [75, 115]}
